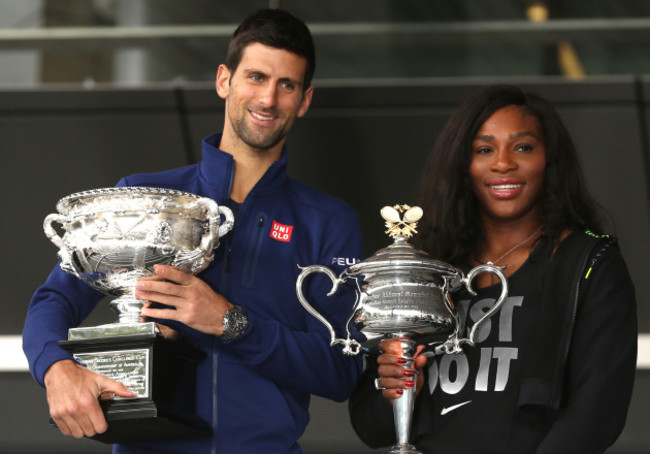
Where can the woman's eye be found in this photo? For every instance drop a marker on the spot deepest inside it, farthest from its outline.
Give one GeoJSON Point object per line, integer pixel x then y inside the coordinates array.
{"type": "Point", "coordinates": [482, 150]}
{"type": "Point", "coordinates": [524, 148]}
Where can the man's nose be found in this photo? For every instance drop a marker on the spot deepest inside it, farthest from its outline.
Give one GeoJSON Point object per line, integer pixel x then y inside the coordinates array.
{"type": "Point", "coordinates": [267, 95]}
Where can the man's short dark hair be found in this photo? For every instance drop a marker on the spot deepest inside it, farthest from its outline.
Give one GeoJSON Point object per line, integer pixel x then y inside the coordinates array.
{"type": "Point", "coordinates": [273, 28]}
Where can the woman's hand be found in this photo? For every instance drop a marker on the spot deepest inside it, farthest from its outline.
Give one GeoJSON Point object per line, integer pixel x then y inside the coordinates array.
{"type": "Point", "coordinates": [395, 372]}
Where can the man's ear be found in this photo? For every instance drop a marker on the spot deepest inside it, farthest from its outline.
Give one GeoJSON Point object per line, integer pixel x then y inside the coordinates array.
{"type": "Point", "coordinates": [306, 101]}
{"type": "Point", "coordinates": [222, 83]}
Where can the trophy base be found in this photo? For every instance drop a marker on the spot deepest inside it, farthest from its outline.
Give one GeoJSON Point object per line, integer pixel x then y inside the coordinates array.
{"type": "Point", "coordinates": [153, 367]}
{"type": "Point", "coordinates": [403, 448]}
{"type": "Point", "coordinates": [133, 421]}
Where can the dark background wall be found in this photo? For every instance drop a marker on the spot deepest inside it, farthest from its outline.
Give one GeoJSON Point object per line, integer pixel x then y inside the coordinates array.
{"type": "Point", "coordinates": [363, 141]}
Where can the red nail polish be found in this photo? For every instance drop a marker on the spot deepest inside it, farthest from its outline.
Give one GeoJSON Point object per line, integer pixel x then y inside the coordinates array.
{"type": "Point", "coordinates": [401, 360]}
{"type": "Point", "coordinates": [409, 383]}
{"type": "Point", "coordinates": [408, 373]}
{"type": "Point", "coordinates": [399, 392]}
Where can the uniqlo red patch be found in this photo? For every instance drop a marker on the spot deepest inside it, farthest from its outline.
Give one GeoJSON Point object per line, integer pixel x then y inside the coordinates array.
{"type": "Point", "coordinates": [281, 232]}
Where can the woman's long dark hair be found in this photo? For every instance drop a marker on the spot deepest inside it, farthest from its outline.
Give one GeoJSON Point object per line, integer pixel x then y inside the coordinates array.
{"type": "Point", "coordinates": [451, 228]}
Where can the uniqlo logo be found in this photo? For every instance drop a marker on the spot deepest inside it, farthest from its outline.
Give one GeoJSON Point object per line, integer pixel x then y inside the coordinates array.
{"type": "Point", "coordinates": [281, 232]}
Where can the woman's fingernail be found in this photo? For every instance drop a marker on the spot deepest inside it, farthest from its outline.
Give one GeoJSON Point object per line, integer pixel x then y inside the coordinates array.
{"type": "Point", "coordinates": [401, 360]}
{"type": "Point", "coordinates": [409, 383]}
{"type": "Point", "coordinates": [399, 392]}
{"type": "Point", "coordinates": [408, 372]}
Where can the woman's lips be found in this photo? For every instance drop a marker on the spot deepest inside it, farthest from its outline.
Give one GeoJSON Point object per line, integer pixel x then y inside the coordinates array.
{"type": "Point", "coordinates": [505, 190]}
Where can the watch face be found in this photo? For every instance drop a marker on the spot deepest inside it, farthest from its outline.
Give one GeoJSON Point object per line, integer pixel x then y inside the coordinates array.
{"type": "Point", "coordinates": [235, 323]}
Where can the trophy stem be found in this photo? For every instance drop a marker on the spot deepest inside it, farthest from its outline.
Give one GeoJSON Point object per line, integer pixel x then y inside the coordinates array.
{"type": "Point", "coordinates": [128, 309]}
{"type": "Point", "coordinates": [403, 407]}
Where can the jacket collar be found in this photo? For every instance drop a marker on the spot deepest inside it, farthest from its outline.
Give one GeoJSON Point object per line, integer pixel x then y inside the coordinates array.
{"type": "Point", "coordinates": [217, 170]}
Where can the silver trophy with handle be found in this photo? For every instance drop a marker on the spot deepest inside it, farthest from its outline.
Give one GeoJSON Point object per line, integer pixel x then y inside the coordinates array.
{"type": "Point", "coordinates": [114, 236]}
{"type": "Point", "coordinates": [109, 238]}
{"type": "Point", "coordinates": [403, 293]}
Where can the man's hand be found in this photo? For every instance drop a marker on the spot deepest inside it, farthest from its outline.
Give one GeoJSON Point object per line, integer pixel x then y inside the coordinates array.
{"type": "Point", "coordinates": [192, 301]}
{"type": "Point", "coordinates": [73, 394]}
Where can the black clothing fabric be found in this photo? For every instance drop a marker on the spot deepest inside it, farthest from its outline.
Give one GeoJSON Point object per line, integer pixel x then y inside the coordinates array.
{"type": "Point", "coordinates": [545, 377]}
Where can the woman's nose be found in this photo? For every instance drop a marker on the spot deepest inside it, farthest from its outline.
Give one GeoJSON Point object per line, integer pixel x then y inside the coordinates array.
{"type": "Point", "coordinates": [503, 161]}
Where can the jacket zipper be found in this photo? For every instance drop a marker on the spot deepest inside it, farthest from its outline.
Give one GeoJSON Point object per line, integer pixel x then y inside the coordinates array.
{"type": "Point", "coordinates": [574, 311]}
{"type": "Point", "coordinates": [215, 354]}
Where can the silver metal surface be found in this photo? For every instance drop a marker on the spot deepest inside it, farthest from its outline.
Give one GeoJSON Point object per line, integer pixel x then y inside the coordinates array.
{"type": "Point", "coordinates": [112, 330]}
{"type": "Point", "coordinates": [401, 290]}
{"type": "Point", "coordinates": [114, 236]}
{"type": "Point", "coordinates": [129, 367]}
{"type": "Point", "coordinates": [403, 293]}
{"type": "Point", "coordinates": [403, 407]}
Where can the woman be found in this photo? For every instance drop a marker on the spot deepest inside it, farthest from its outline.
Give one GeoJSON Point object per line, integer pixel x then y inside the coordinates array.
{"type": "Point", "coordinates": [551, 372]}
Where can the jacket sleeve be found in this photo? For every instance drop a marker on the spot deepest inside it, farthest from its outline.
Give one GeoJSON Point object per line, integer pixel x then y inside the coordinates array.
{"type": "Point", "coordinates": [62, 302]}
{"type": "Point", "coordinates": [601, 363]}
{"type": "Point", "coordinates": [303, 359]}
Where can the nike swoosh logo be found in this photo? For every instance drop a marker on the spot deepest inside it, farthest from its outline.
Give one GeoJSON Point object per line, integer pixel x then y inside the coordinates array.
{"type": "Point", "coordinates": [446, 410]}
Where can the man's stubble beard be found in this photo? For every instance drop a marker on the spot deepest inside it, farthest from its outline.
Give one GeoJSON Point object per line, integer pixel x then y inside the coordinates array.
{"type": "Point", "coordinates": [255, 139]}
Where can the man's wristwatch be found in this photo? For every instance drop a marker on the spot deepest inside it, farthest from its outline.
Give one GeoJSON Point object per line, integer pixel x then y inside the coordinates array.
{"type": "Point", "coordinates": [235, 323]}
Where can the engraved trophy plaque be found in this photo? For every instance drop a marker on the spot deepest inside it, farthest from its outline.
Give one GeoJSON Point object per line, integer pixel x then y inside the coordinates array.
{"type": "Point", "coordinates": [113, 237]}
{"type": "Point", "coordinates": [403, 293]}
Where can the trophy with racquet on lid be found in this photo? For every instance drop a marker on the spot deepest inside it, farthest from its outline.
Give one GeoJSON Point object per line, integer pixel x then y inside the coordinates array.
{"type": "Point", "coordinates": [403, 293]}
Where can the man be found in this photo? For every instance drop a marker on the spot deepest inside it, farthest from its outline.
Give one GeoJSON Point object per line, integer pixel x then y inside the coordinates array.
{"type": "Point", "coordinates": [266, 354]}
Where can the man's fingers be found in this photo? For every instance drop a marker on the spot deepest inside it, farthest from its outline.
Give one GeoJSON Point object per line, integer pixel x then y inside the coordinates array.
{"type": "Point", "coordinates": [154, 290]}
{"type": "Point", "coordinates": [123, 391]}
{"type": "Point", "coordinates": [95, 423]}
{"type": "Point", "coordinates": [166, 314]}
{"type": "Point", "coordinates": [166, 331]}
{"type": "Point", "coordinates": [79, 421]}
{"type": "Point", "coordinates": [112, 387]}
{"type": "Point", "coordinates": [172, 274]}
{"type": "Point", "coordinates": [107, 395]}
{"type": "Point", "coordinates": [62, 425]}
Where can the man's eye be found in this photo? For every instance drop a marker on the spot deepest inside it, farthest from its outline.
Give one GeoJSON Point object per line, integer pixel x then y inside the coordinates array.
{"type": "Point", "coordinates": [287, 85]}
{"type": "Point", "coordinates": [256, 77]}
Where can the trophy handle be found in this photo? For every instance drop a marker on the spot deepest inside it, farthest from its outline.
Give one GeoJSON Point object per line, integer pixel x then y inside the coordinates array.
{"type": "Point", "coordinates": [453, 344]}
{"type": "Point", "coordinates": [350, 346]}
{"type": "Point", "coordinates": [53, 236]}
{"type": "Point", "coordinates": [228, 222]}
{"type": "Point", "coordinates": [217, 228]}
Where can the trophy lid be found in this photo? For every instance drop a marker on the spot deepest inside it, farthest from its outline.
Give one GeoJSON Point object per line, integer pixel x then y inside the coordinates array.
{"type": "Point", "coordinates": [401, 224]}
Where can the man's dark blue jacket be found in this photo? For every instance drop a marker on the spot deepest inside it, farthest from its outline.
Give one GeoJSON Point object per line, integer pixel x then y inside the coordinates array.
{"type": "Point", "coordinates": [254, 390]}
